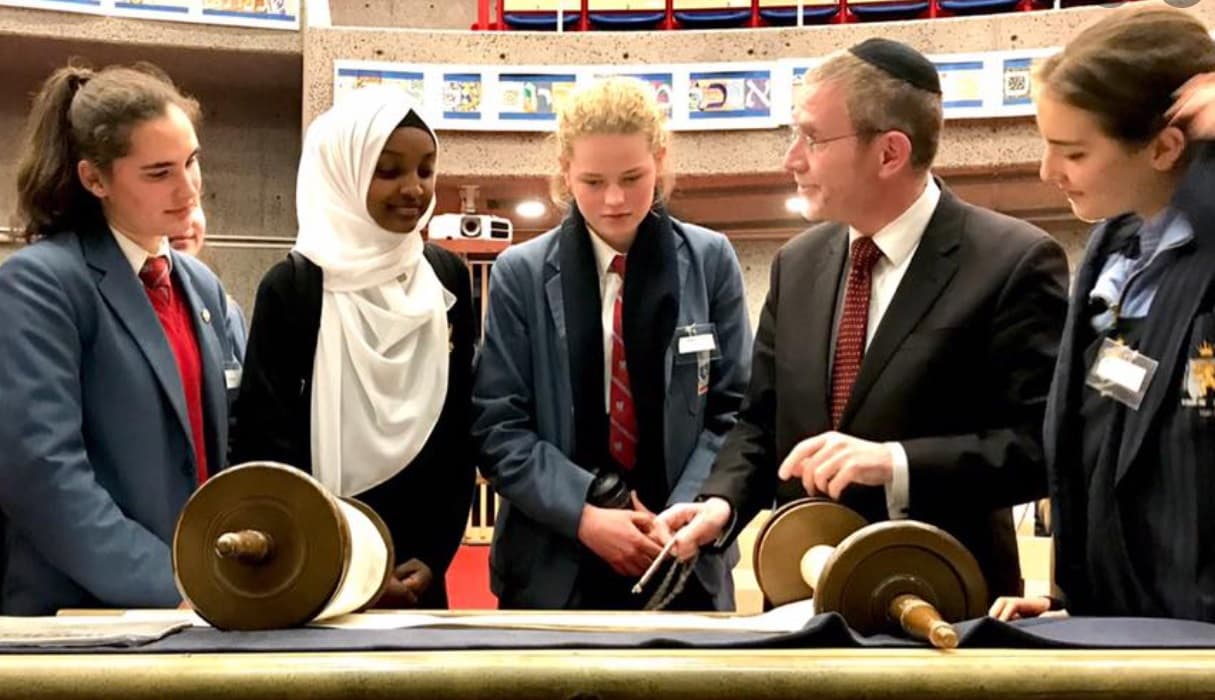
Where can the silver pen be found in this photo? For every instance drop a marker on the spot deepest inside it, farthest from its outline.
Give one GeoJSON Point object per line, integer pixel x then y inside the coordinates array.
{"type": "Point", "coordinates": [649, 573]}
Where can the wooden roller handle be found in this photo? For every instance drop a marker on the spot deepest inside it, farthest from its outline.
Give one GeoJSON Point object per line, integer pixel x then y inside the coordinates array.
{"type": "Point", "coordinates": [921, 620]}
{"type": "Point", "coordinates": [248, 546]}
{"type": "Point", "coordinates": [813, 562]}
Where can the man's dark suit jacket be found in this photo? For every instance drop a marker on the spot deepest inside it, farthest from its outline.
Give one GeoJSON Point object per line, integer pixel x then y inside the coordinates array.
{"type": "Point", "coordinates": [957, 372]}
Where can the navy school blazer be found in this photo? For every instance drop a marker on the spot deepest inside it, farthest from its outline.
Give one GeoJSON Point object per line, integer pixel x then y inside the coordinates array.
{"type": "Point", "coordinates": [97, 458]}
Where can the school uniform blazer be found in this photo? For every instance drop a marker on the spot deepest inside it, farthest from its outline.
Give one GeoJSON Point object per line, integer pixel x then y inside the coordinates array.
{"type": "Point", "coordinates": [97, 458]}
{"type": "Point", "coordinates": [1163, 439]}
{"type": "Point", "coordinates": [957, 372]}
{"type": "Point", "coordinates": [524, 416]}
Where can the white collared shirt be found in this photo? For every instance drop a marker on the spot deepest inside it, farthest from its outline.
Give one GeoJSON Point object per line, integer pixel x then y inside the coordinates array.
{"type": "Point", "coordinates": [898, 241]}
{"type": "Point", "coordinates": [610, 286]}
{"type": "Point", "coordinates": [135, 253]}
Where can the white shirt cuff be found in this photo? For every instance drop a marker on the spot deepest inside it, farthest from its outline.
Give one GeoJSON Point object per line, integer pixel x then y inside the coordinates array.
{"type": "Point", "coordinates": [898, 491]}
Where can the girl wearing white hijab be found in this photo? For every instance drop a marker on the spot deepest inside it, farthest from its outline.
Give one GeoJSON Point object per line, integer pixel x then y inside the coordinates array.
{"type": "Point", "coordinates": [359, 361]}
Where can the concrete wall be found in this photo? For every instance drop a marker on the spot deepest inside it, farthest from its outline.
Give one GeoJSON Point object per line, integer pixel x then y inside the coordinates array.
{"type": "Point", "coordinates": [416, 14]}
{"type": "Point", "coordinates": [258, 89]}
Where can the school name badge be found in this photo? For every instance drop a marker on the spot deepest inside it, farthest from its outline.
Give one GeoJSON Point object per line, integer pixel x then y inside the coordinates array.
{"type": "Point", "coordinates": [1198, 391]}
{"type": "Point", "coordinates": [1121, 373]}
{"type": "Point", "coordinates": [698, 342]}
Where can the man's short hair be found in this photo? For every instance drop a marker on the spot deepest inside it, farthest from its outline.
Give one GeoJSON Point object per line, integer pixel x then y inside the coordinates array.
{"type": "Point", "coordinates": [878, 102]}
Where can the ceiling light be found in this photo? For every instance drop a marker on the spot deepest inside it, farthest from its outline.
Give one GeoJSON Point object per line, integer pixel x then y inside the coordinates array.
{"type": "Point", "coordinates": [531, 209]}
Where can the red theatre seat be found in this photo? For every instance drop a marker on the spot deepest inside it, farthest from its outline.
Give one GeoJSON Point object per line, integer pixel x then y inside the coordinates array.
{"type": "Point", "coordinates": [978, 7]}
{"type": "Point", "coordinates": [782, 12]}
{"type": "Point", "coordinates": [540, 15]}
{"type": "Point", "coordinates": [879, 10]}
{"type": "Point", "coordinates": [711, 14]}
{"type": "Point", "coordinates": [617, 15]}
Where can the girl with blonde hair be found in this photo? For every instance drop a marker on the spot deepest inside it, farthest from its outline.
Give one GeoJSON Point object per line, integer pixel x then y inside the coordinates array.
{"type": "Point", "coordinates": [616, 351]}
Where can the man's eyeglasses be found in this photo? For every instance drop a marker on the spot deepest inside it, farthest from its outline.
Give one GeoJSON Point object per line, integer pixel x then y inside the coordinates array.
{"type": "Point", "coordinates": [814, 144]}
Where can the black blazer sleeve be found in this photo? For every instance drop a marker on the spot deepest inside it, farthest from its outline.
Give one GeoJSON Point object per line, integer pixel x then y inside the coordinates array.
{"type": "Point", "coordinates": [272, 413]}
{"type": "Point", "coordinates": [745, 469]}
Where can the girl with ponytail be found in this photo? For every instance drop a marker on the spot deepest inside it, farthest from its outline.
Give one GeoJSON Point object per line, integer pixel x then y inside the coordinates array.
{"type": "Point", "coordinates": [111, 363]}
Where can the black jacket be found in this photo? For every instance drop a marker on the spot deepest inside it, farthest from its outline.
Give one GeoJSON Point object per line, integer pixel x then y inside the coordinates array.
{"type": "Point", "coordinates": [425, 506]}
{"type": "Point", "coordinates": [957, 372]}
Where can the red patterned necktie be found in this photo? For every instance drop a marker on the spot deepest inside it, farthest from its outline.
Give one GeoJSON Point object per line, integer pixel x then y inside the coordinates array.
{"type": "Point", "coordinates": [155, 276]}
{"type": "Point", "coordinates": [622, 431]}
{"type": "Point", "coordinates": [853, 326]}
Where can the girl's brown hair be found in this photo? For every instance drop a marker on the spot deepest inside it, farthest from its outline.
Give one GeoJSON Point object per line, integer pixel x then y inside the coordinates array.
{"type": "Point", "coordinates": [1125, 69]}
{"type": "Point", "coordinates": [82, 114]}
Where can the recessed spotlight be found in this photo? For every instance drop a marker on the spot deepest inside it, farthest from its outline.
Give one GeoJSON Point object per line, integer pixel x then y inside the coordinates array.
{"type": "Point", "coordinates": [531, 209]}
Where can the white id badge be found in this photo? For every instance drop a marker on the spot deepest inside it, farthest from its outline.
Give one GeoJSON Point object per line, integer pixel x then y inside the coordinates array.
{"type": "Point", "coordinates": [1121, 373]}
{"type": "Point", "coordinates": [232, 377]}
{"type": "Point", "coordinates": [694, 340]}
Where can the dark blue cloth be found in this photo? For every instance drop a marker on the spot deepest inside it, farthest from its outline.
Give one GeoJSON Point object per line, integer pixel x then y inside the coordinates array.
{"type": "Point", "coordinates": [822, 631]}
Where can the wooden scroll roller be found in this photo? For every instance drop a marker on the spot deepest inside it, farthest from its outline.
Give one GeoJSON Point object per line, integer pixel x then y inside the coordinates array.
{"type": "Point", "coordinates": [265, 546]}
{"type": "Point", "coordinates": [881, 578]}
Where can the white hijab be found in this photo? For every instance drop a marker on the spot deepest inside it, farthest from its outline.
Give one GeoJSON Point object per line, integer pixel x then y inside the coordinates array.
{"type": "Point", "coordinates": [380, 373]}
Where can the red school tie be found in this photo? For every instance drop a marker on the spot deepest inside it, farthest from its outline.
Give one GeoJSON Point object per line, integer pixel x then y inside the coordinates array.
{"type": "Point", "coordinates": [853, 325]}
{"type": "Point", "coordinates": [622, 431]}
{"type": "Point", "coordinates": [155, 276]}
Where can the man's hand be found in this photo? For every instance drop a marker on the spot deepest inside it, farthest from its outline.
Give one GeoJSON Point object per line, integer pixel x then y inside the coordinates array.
{"type": "Point", "coordinates": [406, 586]}
{"type": "Point", "coordinates": [829, 462]}
{"type": "Point", "coordinates": [622, 538]}
{"type": "Point", "coordinates": [695, 524]}
{"type": "Point", "coordinates": [658, 529]}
